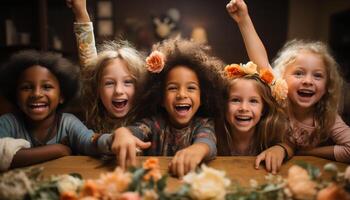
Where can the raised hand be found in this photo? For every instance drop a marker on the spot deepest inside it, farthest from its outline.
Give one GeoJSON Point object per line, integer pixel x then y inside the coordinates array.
{"type": "Point", "coordinates": [79, 9]}
{"type": "Point", "coordinates": [273, 157]}
{"type": "Point", "coordinates": [237, 9]}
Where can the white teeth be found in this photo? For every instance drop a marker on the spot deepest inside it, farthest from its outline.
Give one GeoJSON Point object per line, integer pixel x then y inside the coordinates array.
{"type": "Point", "coordinates": [243, 117]}
{"type": "Point", "coordinates": [38, 104]}
{"type": "Point", "coordinates": [119, 100]}
{"type": "Point", "coordinates": [306, 91]}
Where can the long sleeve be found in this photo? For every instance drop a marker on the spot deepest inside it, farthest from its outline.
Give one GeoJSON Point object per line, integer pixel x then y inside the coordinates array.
{"type": "Point", "coordinates": [84, 34]}
{"type": "Point", "coordinates": [205, 133]}
{"type": "Point", "coordinates": [340, 134]}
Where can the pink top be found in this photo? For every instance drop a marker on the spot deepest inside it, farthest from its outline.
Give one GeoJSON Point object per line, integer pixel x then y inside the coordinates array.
{"type": "Point", "coordinates": [304, 137]}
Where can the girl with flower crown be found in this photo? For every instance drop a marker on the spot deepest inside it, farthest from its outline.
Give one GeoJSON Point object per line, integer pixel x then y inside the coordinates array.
{"type": "Point", "coordinates": [254, 120]}
{"type": "Point", "coordinates": [177, 109]}
{"type": "Point", "coordinates": [314, 87]}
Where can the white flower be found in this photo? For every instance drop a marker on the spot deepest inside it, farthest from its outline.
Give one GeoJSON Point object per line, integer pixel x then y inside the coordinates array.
{"type": "Point", "coordinates": [66, 183]}
{"type": "Point", "coordinates": [250, 68]}
{"type": "Point", "coordinates": [208, 184]}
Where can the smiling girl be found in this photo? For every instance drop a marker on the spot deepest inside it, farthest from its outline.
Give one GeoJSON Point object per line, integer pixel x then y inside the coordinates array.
{"type": "Point", "coordinates": [177, 111]}
{"type": "Point", "coordinates": [40, 85]}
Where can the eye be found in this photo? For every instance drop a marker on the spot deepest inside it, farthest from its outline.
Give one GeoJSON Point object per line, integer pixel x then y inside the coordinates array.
{"type": "Point", "coordinates": [25, 87]}
{"type": "Point", "coordinates": [298, 73]}
{"type": "Point", "coordinates": [235, 100]}
{"type": "Point", "coordinates": [318, 75]}
{"type": "Point", "coordinates": [47, 86]}
{"type": "Point", "coordinates": [192, 87]}
{"type": "Point", "coordinates": [171, 87]}
{"type": "Point", "coordinates": [108, 83]}
{"type": "Point", "coordinates": [129, 82]}
{"type": "Point", "coordinates": [255, 101]}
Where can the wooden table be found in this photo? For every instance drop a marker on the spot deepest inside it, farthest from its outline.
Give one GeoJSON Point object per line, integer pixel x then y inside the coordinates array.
{"type": "Point", "coordinates": [238, 168]}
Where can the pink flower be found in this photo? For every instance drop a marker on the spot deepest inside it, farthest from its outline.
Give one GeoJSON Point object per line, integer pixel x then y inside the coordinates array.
{"type": "Point", "coordinates": [155, 62]}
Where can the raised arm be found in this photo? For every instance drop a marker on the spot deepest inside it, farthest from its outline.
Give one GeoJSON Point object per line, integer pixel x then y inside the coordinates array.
{"type": "Point", "coordinates": [84, 32]}
{"type": "Point", "coordinates": [255, 48]}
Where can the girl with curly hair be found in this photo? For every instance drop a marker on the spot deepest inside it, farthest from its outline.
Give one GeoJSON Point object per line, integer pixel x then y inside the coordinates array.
{"type": "Point", "coordinates": [111, 77]}
{"type": "Point", "coordinates": [177, 109]}
{"type": "Point", "coordinates": [314, 87]}
{"type": "Point", "coordinates": [40, 84]}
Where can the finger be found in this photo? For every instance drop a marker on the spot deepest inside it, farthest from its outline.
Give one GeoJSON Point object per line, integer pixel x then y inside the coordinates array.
{"type": "Point", "coordinates": [258, 160]}
{"type": "Point", "coordinates": [122, 157]}
{"type": "Point", "coordinates": [193, 165]}
{"type": "Point", "coordinates": [180, 167]}
{"type": "Point", "coordinates": [187, 164]}
{"type": "Point", "coordinates": [173, 166]}
{"type": "Point", "coordinates": [268, 162]}
{"type": "Point", "coordinates": [131, 155]}
{"type": "Point", "coordinates": [141, 144]}
{"type": "Point", "coordinates": [274, 165]}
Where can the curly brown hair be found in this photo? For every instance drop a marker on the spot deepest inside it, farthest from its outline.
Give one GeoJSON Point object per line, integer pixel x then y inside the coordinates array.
{"type": "Point", "coordinates": [196, 57]}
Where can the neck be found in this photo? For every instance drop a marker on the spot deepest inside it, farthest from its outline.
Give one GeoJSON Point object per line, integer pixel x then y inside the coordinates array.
{"type": "Point", "coordinates": [304, 115]}
{"type": "Point", "coordinates": [44, 124]}
{"type": "Point", "coordinates": [242, 141]}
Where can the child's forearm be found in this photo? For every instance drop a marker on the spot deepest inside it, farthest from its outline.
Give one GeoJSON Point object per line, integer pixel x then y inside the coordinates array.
{"type": "Point", "coordinates": [323, 152]}
{"type": "Point", "coordinates": [254, 46]}
{"type": "Point", "coordinates": [39, 154]}
{"type": "Point", "coordinates": [203, 149]}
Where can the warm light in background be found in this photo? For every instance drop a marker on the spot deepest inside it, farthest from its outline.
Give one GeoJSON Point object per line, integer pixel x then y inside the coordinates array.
{"type": "Point", "coordinates": [199, 34]}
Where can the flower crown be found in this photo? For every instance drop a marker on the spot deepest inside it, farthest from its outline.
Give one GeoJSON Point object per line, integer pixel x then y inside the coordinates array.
{"type": "Point", "coordinates": [155, 62]}
{"type": "Point", "coordinates": [279, 87]}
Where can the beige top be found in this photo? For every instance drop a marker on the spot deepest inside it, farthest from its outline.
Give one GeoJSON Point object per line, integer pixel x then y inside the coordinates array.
{"type": "Point", "coordinates": [305, 137]}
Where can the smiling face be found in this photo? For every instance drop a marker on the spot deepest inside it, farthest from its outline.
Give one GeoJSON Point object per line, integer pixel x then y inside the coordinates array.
{"type": "Point", "coordinates": [38, 93]}
{"type": "Point", "coordinates": [244, 106]}
{"type": "Point", "coordinates": [116, 88]}
{"type": "Point", "coordinates": [306, 78]}
{"type": "Point", "coordinates": [181, 95]}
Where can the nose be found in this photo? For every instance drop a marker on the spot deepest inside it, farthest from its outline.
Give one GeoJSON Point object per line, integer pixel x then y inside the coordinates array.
{"type": "Point", "coordinates": [307, 80]}
{"type": "Point", "coordinates": [243, 106]}
{"type": "Point", "coordinates": [181, 93]}
{"type": "Point", "coordinates": [119, 89]}
{"type": "Point", "coordinates": [37, 92]}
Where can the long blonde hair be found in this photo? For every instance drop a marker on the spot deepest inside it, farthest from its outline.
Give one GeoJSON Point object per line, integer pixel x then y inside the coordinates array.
{"type": "Point", "coordinates": [327, 108]}
{"type": "Point", "coordinates": [273, 124]}
{"type": "Point", "coordinates": [96, 115]}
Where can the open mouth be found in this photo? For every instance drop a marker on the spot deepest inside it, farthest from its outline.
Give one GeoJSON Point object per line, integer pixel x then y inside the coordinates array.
{"type": "Point", "coordinates": [120, 103]}
{"type": "Point", "coordinates": [182, 108]}
{"type": "Point", "coordinates": [243, 118]}
{"type": "Point", "coordinates": [38, 106]}
{"type": "Point", "coordinates": [305, 93]}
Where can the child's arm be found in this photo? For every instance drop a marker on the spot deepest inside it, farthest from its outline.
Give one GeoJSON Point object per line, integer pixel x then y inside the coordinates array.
{"type": "Point", "coordinates": [274, 157]}
{"type": "Point", "coordinates": [187, 159]}
{"type": "Point", "coordinates": [255, 48]}
{"type": "Point", "coordinates": [39, 154]}
{"type": "Point", "coordinates": [340, 135]}
{"type": "Point", "coordinates": [84, 33]}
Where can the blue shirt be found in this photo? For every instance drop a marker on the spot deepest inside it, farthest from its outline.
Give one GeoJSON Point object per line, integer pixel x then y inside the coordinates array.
{"type": "Point", "coordinates": [70, 127]}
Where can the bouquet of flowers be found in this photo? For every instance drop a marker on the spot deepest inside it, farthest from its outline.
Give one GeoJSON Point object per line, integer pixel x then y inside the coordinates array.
{"type": "Point", "coordinates": [147, 183]}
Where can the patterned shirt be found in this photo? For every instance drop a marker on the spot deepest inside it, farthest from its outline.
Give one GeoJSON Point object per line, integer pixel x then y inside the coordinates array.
{"type": "Point", "coordinates": [167, 140]}
{"type": "Point", "coordinates": [84, 34]}
{"type": "Point", "coordinates": [304, 136]}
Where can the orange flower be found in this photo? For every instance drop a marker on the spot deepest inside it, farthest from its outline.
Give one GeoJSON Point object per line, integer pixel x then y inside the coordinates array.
{"type": "Point", "coordinates": [129, 196]}
{"type": "Point", "coordinates": [332, 192]}
{"type": "Point", "coordinates": [151, 163]}
{"type": "Point", "coordinates": [234, 70]}
{"type": "Point", "coordinates": [155, 62]}
{"type": "Point", "coordinates": [68, 196]}
{"type": "Point", "coordinates": [266, 75]}
{"type": "Point", "coordinates": [153, 174]}
{"type": "Point", "coordinates": [90, 188]}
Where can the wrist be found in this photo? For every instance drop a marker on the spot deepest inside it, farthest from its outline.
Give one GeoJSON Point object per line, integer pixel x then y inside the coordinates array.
{"type": "Point", "coordinates": [286, 155]}
{"type": "Point", "coordinates": [82, 16]}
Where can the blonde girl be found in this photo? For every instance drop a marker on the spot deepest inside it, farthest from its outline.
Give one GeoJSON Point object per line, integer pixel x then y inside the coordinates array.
{"type": "Point", "coordinates": [314, 94]}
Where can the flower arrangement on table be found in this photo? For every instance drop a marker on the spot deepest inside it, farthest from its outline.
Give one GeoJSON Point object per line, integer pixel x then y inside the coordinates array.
{"type": "Point", "coordinates": [147, 183]}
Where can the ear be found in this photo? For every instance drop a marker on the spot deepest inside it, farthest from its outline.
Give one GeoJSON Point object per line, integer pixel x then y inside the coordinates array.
{"type": "Point", "coordinates": [61, 100]}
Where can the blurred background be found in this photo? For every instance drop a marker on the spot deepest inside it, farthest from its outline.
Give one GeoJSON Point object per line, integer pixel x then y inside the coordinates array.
{"type": "Point", "coordinates": [48, 25]}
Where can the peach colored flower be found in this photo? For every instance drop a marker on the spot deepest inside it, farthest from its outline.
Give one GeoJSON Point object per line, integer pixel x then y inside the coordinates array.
{"type": "Point", "coordinates": [250, 68]}
{"type": "Point", "coordinates": [114, 183]}
{"type": "Point", "coordinates": [280, 90]}
{"type": "Point", "coordinates": [234, 70]}
{"type": "Point", "coordinates": [332, 192]}
{"type": "Point", "coordinates": [266, 75]}
{"type": "Point", "coordinates": [150, 195]}
{"type": "Point", "coordinates": [129, 196]}
{"type": "Point", "coordinates": [300, 184]}
{"type": "Point", "coordinates": [155, 62]}
{"type": "Point", "coordinates": [154, 174]}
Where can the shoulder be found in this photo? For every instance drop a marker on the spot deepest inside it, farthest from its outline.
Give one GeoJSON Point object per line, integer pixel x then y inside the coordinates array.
{"type": "Point", "coordinates": [8, 118]}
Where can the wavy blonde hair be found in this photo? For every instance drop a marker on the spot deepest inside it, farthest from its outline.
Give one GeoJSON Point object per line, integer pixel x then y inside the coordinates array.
{"type": "Point", "coordinates": [272, 126]}
{"type": "Point", "coordinates": [96, 115]}
{"type": "Point", "coordinates": [327, 108]}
